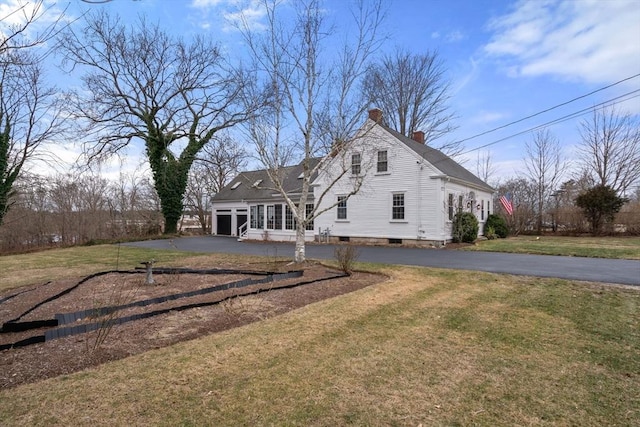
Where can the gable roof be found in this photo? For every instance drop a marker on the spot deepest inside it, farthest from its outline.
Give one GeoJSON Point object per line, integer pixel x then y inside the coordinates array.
{"type": "Point", "coordinates": [439, 160]}
{"type": "Point", "coordinates": [256, 185]}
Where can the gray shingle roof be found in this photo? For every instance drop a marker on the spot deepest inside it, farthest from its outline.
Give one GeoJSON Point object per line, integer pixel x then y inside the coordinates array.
{"type": "Point", "coordinates": [440, 161]}
{"type": "Point", "coordinates": [242, 187]}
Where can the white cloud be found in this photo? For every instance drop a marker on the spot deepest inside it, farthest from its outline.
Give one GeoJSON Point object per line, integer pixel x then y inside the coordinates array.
{"type": "Point", "coordinates": [236, 13]}
{"type": "Point", "coordinates": [15, 13]}
{"type": "Point", "coordinates": [455, 36]}
{"type": "Point", "coordinates": [593, 41]}
{"type": "Point", "coordinates": [486, 117]}
{"type": "Point", "coordinates": [249, 17]}
{"type": "Point", "coordinates": [206, 3]}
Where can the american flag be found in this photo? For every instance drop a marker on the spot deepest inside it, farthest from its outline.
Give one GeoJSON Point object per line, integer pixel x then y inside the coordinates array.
{"type": "Point", "coordinates": [506, 204]}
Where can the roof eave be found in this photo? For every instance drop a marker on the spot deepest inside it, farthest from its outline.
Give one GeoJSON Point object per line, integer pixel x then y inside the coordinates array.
{"type": "Point", "coordinates": [486, 188]}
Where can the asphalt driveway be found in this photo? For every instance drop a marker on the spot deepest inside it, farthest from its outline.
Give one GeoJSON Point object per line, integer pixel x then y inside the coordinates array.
{"type": "Point", "coordinates": [625, 272]}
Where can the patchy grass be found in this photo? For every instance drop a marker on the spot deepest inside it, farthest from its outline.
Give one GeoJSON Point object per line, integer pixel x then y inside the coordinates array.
{"type": "Point", "coordinates": [429, 346]}
{"type": "Point", "coordinates": [19, 270]}
{"type": "Point", "coordinates": [593, 247]}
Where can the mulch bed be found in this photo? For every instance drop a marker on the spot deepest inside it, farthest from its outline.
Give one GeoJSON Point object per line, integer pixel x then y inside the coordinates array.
{"type": "Point", "coordinates": [32, 363]}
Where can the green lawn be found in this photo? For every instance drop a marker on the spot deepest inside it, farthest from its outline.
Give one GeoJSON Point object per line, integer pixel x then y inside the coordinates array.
{"type": "Point", "coordinates": [427, 347]}
{"type": "Point", "coordinates": [593, 247]}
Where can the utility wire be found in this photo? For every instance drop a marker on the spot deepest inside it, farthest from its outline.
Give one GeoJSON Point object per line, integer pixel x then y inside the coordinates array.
{"type": "Point", "coordinates": [560, 119]}
{"type": "Point", "coordinates": [548, 109]}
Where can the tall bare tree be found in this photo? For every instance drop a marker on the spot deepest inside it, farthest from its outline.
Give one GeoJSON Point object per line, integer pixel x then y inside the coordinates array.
{"type": "Point", "coordinates": [544, 165]}
{"type": "Point", "coordinates": [18, 27]}
{"type": "Point", "coordinates": [413, 91]}
{"type": "Point", "coordinates": [485, 168]}
{"type": "Point", "coordinates": [610, 149]}
{"type": "Point", "coordinates": [30, 114]}
{"type": "Point", "coordinates": [220, 161]}
{"type": "Point", "coordinates": [143, 84]}
{"type": "Point", "coordinates": [315, 105]}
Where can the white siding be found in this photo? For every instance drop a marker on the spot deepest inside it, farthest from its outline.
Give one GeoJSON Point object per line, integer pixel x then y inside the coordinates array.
{"type": "Point", "coordinates": [369, 211]}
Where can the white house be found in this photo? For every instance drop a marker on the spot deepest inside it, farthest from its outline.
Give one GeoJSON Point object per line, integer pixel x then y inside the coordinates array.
{"type": "Point", "coordinates": [248, 207]}
{"type": "Point", "coordinates": [410, 193]}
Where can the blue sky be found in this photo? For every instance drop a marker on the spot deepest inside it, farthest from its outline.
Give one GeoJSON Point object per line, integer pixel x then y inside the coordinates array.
{"type": "Point", "coordinates": [505, 59]}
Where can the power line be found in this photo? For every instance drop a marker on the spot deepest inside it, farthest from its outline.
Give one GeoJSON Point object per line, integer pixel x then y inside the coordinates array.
{"type": "Point", "coordinates": [560, 119]}
{"type": "Point", "coordinates": [548, 109]}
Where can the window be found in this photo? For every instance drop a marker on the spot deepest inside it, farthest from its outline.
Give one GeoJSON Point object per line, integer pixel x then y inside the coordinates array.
{"type": "Point", "coordinates": [258, 182]}
{"type": "Point", "coordinates": [278, 217]}
{"type": "Point", "coordinates": [271, 217]}
{"type": "Point", "coordinates": [307, 213]}
{"type": "Point", "coordinates": [257, 216]}
{"type": "Point", "coordinates": [488, 210]}
{"type": "Point", "coordinates": [236, 185]}
{"type": "Point", "coordinates": [382, 161]}
{"type": "Point", "coordinates": [460, 201]}
{"type": "Point", "coordinates": [397, 207]}
{"type": "Point", "coordinates": [450, 205]}
{"type": "Point", "coordinates": [482, 210]}
{"type": "Point", "coordinates": [342, 207]}
{"type": "Point", "coordinates": [356, 162]}
{"type": "Point", "coordinates": [289, 221]}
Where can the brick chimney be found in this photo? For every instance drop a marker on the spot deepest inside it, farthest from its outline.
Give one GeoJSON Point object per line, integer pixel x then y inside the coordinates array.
{"type": "Point", "coordinates": [418, 136]}
{"type": "Point", "coordinates": [376, 115]}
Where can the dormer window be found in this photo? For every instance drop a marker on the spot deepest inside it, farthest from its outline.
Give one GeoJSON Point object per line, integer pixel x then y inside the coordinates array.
{"type": "Point", "coordinates": [236, 185]}
{"type": "Point", "coordinates": [255, 184]}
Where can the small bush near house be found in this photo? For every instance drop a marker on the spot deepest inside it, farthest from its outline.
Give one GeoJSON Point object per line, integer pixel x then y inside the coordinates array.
{"type": "Point", "coordinates": [498, 224]}
{"type": "Point", "coordinates": [465, 228]}
{"type": "Point", "coordinates": [490, 233]}
{"type": "Point", "coordinates": [346, 256]}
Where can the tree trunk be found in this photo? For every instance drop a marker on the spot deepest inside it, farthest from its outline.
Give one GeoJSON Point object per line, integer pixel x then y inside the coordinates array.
{"type": "Point", "coordinates": [300, 244]}
{"type": "Point", "coordinates": [170, 177]}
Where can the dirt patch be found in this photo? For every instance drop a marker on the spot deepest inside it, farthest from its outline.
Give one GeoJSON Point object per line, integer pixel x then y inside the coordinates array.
{"type": "Point", "coordinates": [151, 322]}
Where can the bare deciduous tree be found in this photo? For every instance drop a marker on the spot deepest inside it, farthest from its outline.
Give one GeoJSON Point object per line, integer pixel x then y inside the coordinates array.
{"type": "Point", "coordinates": [544, 167]}
{"type": "Point", "coordinates": [610, 149]}
{"type": "Point", "coordinates": [523, 198]}
{"type": "Point", "coordinates": [220, 160]}
{"type": "Point", "coordinates": [484, 166]}
{"type": "Point", "coordinates": [15, 25]}
{"type": "Point", "coordinates": [315, 103]}
{"type": "Point", "coordinates": [143, 84]}
{"type": "Point", "coordinates": [413, 92]}
{"type": "Point", "coordinates": [29, 116]}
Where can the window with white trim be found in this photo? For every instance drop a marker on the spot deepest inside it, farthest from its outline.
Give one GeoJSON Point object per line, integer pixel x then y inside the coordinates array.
{"type": "Point", "coordinates": [356, 164]}
{"type": "Point", "coordinates": [308, 209]}
{"type": "Point", "coordinates": [451, 206]}
{"type": "Point", "coordinates": [257, 217]}
{"type": "Point", "coordinates": [277, 225]}
{"type": "Point", "coordinates": [271, 217]}
{"type": "Point", "coordinates": [289, 220]}
{"type": "Point", "coordinates": [397, 206]}
{"type": "Point", "coordinates": [342, 207]}
{"type": "Point", "coordinates": [383, 163]}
